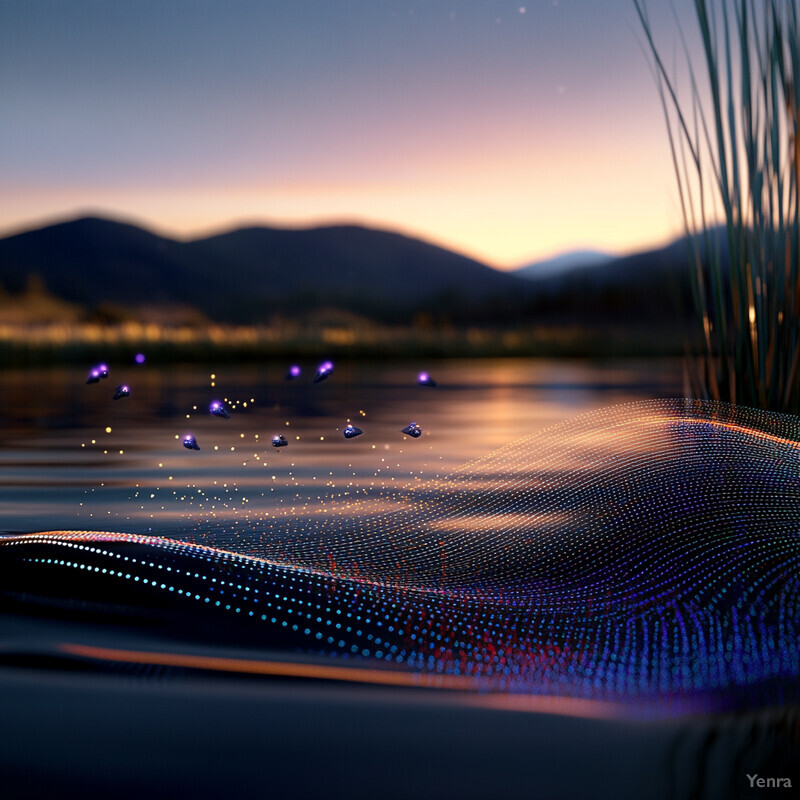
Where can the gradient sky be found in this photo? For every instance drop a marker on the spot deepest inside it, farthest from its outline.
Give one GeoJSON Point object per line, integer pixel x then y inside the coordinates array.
{"type": "Point", "coordinates": [505, 130]}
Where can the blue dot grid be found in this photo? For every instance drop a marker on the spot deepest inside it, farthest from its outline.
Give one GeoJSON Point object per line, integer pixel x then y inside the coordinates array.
{"type": "Point", "coordinates": [648, 552]}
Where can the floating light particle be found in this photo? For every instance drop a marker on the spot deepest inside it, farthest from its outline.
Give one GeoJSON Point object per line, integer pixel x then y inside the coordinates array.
{"type": "Point", "coordinates": [108, 429]}
{"type": "Point", "coordinates": [139, 358]}
{"type": "Point", "coordinates": [293, 372]}
{"type": "Point", "coordinates": [413, 430]}
{"type": "Point", "coordinates": [217, 409]}
{"type": "Point", "coordinates": [324, 371]}
{"type": "Point", "coordinates": [424, 379]}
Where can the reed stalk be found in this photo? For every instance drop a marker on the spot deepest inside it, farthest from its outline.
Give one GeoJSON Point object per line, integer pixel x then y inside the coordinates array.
{"type": "Point", "coordinates": [736, 156]}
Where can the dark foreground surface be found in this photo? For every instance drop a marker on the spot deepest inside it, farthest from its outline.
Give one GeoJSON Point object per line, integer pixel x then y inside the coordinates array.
{"type": "Point", "coordinates": [87, 727]}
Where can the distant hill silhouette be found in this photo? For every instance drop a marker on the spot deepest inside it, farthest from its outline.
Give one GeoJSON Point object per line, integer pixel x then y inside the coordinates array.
{"type": "Point", "coordinates": [563, 262]}
{"type": "Point", "coordinates": [253, 275]}
{"type": "Point", "coordinates": [250, 274]}
{"type": "Point", "coordinates": [653, 285]}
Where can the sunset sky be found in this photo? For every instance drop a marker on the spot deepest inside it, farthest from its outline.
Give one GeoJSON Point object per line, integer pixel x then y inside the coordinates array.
{"type": "Point", "coordinates": [508, 131]}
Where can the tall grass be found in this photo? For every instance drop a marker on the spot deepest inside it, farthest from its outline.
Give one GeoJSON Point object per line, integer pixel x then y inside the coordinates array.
{"type": "Point", "coordinates": [736, 155]}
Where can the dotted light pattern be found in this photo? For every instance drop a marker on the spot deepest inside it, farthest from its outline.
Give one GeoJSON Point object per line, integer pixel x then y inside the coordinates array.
{"type": "Point", "coordinates": [648, 553]}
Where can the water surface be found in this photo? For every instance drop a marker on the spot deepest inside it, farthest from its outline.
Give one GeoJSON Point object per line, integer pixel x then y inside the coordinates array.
{"type": "Point", "coordinates": [71, 457]}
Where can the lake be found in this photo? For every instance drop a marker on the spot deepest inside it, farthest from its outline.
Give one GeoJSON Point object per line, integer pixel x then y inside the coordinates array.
{"type": "Point", "coordinates": [71, 457]}
{"type": "Point", "coordinates": [118, 651]}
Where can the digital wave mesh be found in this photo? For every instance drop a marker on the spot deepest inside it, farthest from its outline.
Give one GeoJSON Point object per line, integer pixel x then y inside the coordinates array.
{"type": "Point", "coordinates": [648, 552]}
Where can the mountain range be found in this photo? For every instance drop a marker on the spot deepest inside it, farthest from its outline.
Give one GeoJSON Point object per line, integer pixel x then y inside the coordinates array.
{"type": "Point", "coordinates": [563, 263]}
{"type": "Point", "coordinates": [258, 274]}
{"type": "Point", "coordinates": [251, 274]}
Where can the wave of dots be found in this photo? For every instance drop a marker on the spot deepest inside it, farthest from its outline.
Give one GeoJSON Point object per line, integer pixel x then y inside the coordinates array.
{"type": "Point", "coordinates": [647, 552]}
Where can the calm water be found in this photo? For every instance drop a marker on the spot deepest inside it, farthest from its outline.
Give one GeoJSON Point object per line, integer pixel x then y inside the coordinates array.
{"type": "Point", "coordinates": [73, 458]}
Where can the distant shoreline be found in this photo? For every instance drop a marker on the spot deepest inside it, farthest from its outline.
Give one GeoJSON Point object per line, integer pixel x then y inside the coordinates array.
{"type": "Point", "coordinates": [59, 343]}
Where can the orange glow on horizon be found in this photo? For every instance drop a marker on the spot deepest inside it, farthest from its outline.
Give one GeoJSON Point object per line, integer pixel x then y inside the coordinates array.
{"type": "Point", "coordinates": [505, 208]}
{"type": "Point", "coordinates": [503, 135]}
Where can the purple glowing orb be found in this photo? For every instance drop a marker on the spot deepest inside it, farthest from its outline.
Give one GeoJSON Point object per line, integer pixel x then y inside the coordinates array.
{"type": "Point", "coordinates": [218, 409]}
{"type": "Point", "coordinates": [413, 430]}
{"type": "Point", "coordinates": [424, 379]}
{"type": "Point", "coordinates": [323, 371]}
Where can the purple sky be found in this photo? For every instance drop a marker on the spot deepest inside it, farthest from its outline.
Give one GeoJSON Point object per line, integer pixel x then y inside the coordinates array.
{"type": "Point", "coordinates": [505, 131]}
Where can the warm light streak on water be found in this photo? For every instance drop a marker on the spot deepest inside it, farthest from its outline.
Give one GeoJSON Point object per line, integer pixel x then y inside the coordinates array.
{"type": "Point", "coordinates": [537, 704]}
{"type": "Point", "coordinates": [71, 457]}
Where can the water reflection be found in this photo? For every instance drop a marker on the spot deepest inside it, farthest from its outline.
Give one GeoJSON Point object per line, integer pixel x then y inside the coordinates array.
{"type": "Point", "coordinates": [121, 464]}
